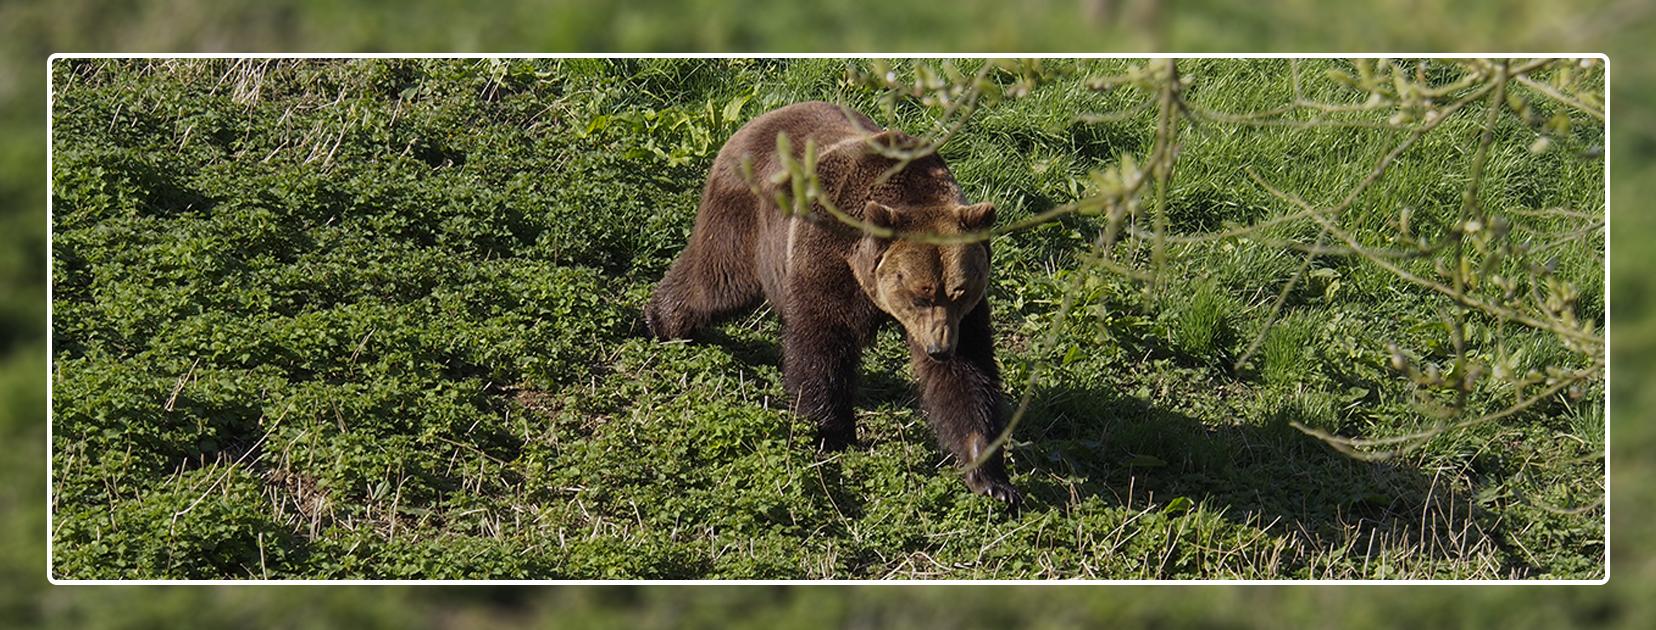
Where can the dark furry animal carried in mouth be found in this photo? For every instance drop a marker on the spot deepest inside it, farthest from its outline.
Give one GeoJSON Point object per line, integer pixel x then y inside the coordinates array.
{"type": "Point", "coordinates": [834, 284]}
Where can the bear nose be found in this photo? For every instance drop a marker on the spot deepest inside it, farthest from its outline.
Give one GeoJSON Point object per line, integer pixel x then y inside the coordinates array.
{"type": "Point", "coordinates": [939, 353]}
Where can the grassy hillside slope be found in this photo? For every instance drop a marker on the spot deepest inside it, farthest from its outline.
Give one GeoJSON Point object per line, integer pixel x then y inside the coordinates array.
{"type": "Point", "coordinates": [378, 318]}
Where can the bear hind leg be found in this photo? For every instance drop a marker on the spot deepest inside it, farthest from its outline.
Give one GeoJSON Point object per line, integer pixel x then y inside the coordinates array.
{"type": "Point", "coordinates": [697, 291]}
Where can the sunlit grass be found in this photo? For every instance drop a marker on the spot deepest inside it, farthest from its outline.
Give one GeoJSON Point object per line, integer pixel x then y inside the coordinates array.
{"type": "Point", "coordinates": [378, 319]}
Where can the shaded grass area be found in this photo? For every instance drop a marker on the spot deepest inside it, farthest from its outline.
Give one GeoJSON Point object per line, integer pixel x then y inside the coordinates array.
{"type": "Point", "coordinates": [379, 319]}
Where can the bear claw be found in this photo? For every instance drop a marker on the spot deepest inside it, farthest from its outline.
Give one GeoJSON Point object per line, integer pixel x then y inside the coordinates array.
{"type": "Point", "coordinates": [997, 489]}
{"type": "Point", "coordinates": [1005, 493]}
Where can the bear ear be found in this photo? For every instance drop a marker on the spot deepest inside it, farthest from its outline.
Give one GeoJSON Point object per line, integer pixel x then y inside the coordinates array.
{"type": "Point", "coordinates": [892, 140]}
{"type": "Point", "coordinates": [978, 216]}
{"type": "Point", "coordinates": [880, 215]}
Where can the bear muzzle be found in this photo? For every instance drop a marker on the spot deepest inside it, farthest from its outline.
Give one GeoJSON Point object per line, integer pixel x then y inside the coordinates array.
{"type": "Point", "coordinates": [939, 352]}
{"type": "Point", "coordinates": [940, 344]}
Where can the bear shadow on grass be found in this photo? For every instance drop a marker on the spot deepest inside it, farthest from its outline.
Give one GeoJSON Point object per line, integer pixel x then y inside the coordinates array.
{"type": "Point", "coordinates": [1075, 444]}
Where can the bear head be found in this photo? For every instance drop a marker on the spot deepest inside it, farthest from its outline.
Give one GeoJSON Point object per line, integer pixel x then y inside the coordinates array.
{"type": "Point", "coordinates": [927, 284]}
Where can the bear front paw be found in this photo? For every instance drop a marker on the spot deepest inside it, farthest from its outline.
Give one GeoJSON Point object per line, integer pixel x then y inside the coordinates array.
{"type": "Point", "coordinates": [997, 488]}
{"type": "Point", "coordinates": [1005, 493]}
{"type": "Point", "coordinates": [836, 440]}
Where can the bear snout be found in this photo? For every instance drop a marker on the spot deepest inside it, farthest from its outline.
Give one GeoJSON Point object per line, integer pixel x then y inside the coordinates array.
{"type": "Point", "coordinates": [940, 342]}
{"type": "Point", "coordinates": [939, 352]}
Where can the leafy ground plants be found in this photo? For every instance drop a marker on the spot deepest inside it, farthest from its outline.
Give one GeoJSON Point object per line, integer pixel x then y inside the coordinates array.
{"type": "Point", "coordinates": [379, 319]}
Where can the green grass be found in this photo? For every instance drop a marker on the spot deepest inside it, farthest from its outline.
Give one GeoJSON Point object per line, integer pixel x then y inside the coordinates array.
{"type": "Point", "coordinates": [379, 319]}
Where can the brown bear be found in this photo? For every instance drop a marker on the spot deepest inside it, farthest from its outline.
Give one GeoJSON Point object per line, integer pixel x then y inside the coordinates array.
{"type": "Point", "coordinates": [834, 285]}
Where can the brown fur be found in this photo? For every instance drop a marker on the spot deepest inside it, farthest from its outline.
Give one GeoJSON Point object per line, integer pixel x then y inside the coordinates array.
{"type": "Point", "coordinates": [834, 285]}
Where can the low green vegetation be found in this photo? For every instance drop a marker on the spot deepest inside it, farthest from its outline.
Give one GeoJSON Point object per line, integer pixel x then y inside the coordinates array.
{"type": "Point", "coordinates": [379, 319]}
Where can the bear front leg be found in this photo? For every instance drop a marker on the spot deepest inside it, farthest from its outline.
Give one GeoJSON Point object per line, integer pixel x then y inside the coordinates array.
{"type": "Point", "coordinates": [819, 365]}
{"type": "Point", "coordinates": [962, 398]}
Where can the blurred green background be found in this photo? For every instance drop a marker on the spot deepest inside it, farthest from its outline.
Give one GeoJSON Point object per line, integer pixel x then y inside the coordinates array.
{"type": "Point", "coordinates": [29, 31]}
